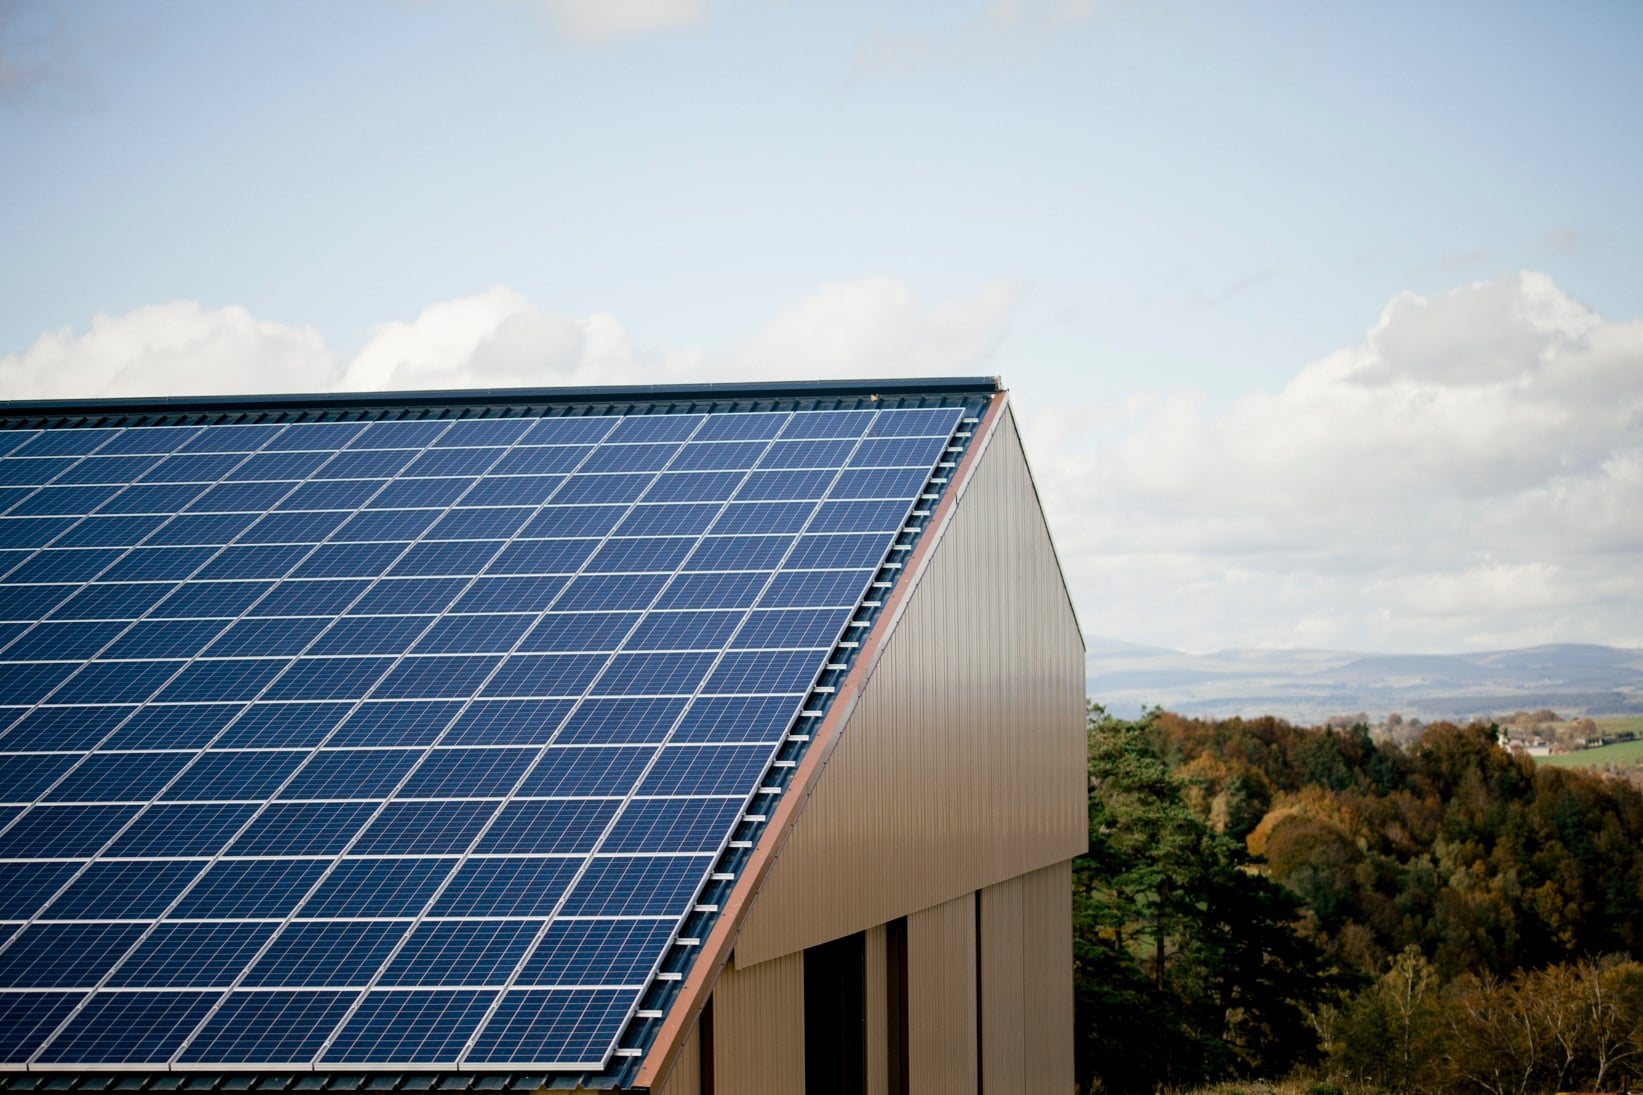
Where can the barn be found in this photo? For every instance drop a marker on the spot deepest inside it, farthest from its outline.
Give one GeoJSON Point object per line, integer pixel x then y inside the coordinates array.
{"type": "Point", "coordinates": [684, 739]}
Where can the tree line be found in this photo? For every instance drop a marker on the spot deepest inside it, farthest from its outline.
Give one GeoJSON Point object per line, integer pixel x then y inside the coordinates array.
{"type": "Point", "coordinates": [1266, 900]}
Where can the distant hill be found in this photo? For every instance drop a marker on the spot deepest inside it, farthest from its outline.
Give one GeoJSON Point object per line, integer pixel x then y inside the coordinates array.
{"type": "Point", "coordinates": [1311, 685]}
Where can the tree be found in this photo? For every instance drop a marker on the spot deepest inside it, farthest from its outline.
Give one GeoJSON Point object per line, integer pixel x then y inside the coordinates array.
{"type": "Point", "coordinates": [1388, 1036]}
{"type": "Point", "coordinates": [1188, 964]}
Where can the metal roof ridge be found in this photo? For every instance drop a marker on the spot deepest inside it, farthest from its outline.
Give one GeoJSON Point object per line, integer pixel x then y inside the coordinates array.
{"type": "Point", "coordinates": [896, 386]}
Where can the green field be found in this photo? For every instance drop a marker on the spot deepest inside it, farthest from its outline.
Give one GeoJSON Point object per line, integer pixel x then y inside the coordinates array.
{"type": "Point", "coordinates": [1625, 752]}
{"type": "Point", "coordinates": [1619, 724]}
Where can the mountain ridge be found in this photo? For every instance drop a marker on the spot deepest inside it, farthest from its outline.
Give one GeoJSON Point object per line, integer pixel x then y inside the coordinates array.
{"type": "Point", "coordinates": [1314, 684]}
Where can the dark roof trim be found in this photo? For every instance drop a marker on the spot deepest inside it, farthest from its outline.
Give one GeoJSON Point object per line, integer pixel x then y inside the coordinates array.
{"type": "Point", "coordinates": [508, 397]}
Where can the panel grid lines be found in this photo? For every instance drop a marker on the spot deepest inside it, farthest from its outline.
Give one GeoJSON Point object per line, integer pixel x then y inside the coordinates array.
{"type": "Point", "coordinates": [605, 835]}
{"type": "Point", "coordinates": [476, 840]}
{"type": "Point", "coordinates": [318, 882]}
{"type": "Point", "coordinates": [113, 730]}
{"type": "Point", "coordinates": [45, 1044]}
{"type": "Point", "coordinates": [406, 742]}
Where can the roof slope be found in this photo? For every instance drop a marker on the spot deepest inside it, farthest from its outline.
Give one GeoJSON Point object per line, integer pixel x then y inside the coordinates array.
{"type": "Point", "coordinates": [415, 734]}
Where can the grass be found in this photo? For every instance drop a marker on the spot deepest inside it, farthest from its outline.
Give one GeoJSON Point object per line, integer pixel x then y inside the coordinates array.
{"type": "Point", "coordinates": [1619, 724]}
{"type": "Point", "coordinates": [1625, 752]}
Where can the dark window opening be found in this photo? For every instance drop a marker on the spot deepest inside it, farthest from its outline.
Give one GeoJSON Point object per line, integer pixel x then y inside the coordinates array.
{"type": "Point", "coordinates": [895, 1000]}
{"type": "Point", "coordinates": [835, 1016]}
{"type": "Point", "coordinates": [704, 1031]}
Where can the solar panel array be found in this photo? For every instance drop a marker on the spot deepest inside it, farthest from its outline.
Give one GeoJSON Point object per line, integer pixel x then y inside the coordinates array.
{"type": "Point", "coordinates": [401, 743]}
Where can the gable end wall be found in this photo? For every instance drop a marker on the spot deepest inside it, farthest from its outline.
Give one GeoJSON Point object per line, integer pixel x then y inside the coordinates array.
{"type": "Point", "coordinates": [962, 765]}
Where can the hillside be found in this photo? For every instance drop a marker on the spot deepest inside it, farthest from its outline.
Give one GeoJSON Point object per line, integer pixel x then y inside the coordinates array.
{"type": "Point", "coordinates": [1311, 685]}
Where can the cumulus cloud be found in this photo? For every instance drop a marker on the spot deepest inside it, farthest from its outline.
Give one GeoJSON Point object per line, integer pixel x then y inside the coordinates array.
{"type": "Point", "coordinates": [499, 338]}
{"type": "Point", "coordinates": [593, 20]}
{"type": "Point", "coordinates": [1468, 475]}
{"type": "Point", "coordinates": [170, 349]}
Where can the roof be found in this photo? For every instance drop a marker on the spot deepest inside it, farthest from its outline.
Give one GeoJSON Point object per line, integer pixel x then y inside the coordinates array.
{"type": "Point", "coordinates": [421, 732]}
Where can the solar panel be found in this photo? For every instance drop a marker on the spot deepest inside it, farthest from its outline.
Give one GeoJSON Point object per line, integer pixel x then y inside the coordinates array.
{"type": "Point", "coordinates": [403, 743]}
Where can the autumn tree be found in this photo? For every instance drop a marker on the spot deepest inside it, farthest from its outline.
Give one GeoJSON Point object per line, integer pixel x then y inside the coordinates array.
{"type": "Point", "coordinates": [1188, 964]}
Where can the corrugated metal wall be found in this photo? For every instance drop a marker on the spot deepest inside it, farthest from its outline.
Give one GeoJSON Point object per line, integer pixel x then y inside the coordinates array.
{"type": "Point", "coordinates": [876, 1013]}
{"type": "Point", "coordinates": [963, 763]}
{"type": "Point", "coordinates": [1021, 947]}
{"type": "Point", "coordinates": [941, 999]}
{"type": "Point", "coordinates": [1047, 968]}
{"type": "Point", "coordinates": [758, 1028]}
{"type": "Point", "coordinates": [1026, 983]}
{"type": "Point", "coordinates": [1003, 985]}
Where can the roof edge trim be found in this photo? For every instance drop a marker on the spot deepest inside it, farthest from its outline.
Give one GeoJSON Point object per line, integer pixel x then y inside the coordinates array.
{"type": "Point", "coordinates": [471, 397]}
{"type": "Point", "coordinates": [717, 948]}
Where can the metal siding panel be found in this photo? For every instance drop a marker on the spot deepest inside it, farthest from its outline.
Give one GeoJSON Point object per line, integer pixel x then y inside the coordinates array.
{"type": "Point", "coordinates": [1048, 969]}
{"type": "Point", "coordinates": [686, 1077]}
{"type": "Point", "coordinates": [962, 765]}
{"type": "Point", "coordinates": [941, 998]}
{"type": "Point", "coordinates": [758, 1028]}
{"type": "Point", "coordinates": [876, 1012]}
{"type": "Point", "coordinates": [1003, 989]}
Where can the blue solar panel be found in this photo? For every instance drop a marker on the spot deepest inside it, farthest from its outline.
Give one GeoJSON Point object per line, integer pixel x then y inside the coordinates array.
{"type": "Point", "coordinates": [267, 1027]}
{"type": "Point", "coordinates": [462, 952]}
{"type": "Point", "coordinates": [572, 1026]}
{"type": "Point", "coordinates": [64, 955]}
{"type": "Point", "coordinates": [406, 743]}
{"type": "Point", "coordinates": [129, 1027]}
{"type": "Point", "coordinates": [636, 885]}
{"type": "Point", "coordinates": [508, 886]}
{"type": "Point", "coordinates": [379, 887]}
{"type": "Point", "coordinates": [25, 887]}
{"type": "Point", "coordinates": [249, 889]}
{"type": "Point", "coordinates": [191, 955]}
{"type": "Point", "coordinates": [595, 952]}
{"type": "Point", "coordinates": [469, 772]}
{"type": "Point", "coordinates": [326, 953]}
{"type": "Point", "coordinates": [429, 1027]}
{"type": "Point", "coordinates": [117, 777]}
{"type": "Point", "coordinates": [25, 776]}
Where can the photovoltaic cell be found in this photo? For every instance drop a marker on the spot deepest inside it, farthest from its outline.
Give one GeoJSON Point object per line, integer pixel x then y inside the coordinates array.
{"type": "Point", "coordinates": [130, 1027]}
{"type": "Point", "coordinates": [461, 952]}
{"type": "Point", "coordinates": [595, 952]}
{"type": "Point", "coordinates": [378, 887]}
{"type": "Point", "coordinates": [636, 885]}
{"type": "Point", "coordinates": [138, 888]}
{"type": "Point", "coordinates": [508, 886]}
{"type": "Point", "coordinates": [410, 1026]}
{"type": "Point", "coordinates": [25, 887]}
{"type": "Point", "coordinates": [407, 742]}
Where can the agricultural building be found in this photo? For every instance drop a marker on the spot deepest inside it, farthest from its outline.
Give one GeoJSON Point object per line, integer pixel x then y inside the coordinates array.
{"type": "Point", "coordinates": [674, 739]}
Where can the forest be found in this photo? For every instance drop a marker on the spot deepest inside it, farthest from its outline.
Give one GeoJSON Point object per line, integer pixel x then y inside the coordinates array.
{"type": "Point", "coordinates": [1267, 902]}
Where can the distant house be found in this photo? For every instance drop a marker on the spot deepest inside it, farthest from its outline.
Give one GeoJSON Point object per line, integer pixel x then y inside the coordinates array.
{"type": "Point", "coordinates": [671, 739]}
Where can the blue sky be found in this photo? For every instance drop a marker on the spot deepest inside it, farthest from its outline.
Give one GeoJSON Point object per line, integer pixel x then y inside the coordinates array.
{"type": "Point", "coordinates": [1278, 287]}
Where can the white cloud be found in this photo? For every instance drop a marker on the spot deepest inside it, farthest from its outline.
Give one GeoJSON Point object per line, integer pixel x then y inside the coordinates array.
{"type": "Point", "coordinates": [170, 349]}
{"type": "Point", "coordinates": [591, 20]}
{"type": "Point", "coordinates": [499, 338]}
{"type": "Point", "coordinates": [1469, 475]}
